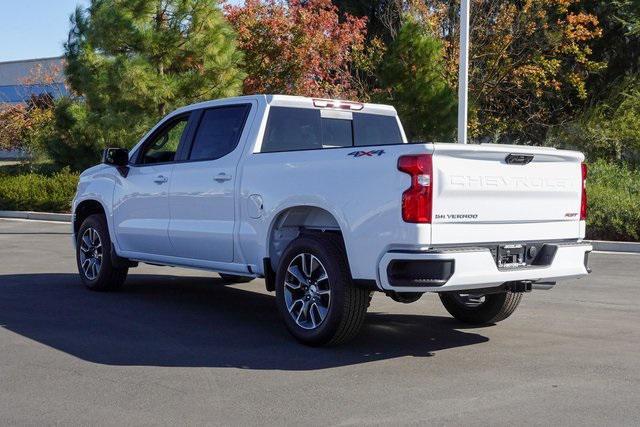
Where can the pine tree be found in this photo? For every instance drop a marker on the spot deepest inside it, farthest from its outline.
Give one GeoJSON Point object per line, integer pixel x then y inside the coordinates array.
{"type": "Point", "coordinates": [132, 61]}
{"type": "Point", "coordinates": [412, 75]}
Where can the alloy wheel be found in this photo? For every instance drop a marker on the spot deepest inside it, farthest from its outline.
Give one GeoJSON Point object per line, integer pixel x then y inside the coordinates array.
{"type": "Point", "coordinates": [91, 253]}
{"type": "Point", "coordinates": [307, 291]}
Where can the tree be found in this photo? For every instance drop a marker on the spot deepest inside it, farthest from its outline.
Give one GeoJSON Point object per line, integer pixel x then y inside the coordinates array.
{"type": "Point", "coordinates": [531, 60]}
{"type": "Point", "coordinates": [608, 130]}
{"type": "Point", "coordinates": [384, 17]}
{"type": "Point", "coordinates": [609, 126]}
{"type": "Point", "coordinates": [132, 61]}
{"type": "Point", "coordinates": [412, 78]}
{"type": "Point", "coordinates": [26, 125]}
{"type": "Point", "coordinates": [298, 47]}
{"type": "Point", "coordinates": [619, 46]}
{"type": "Point", "coordinates": [23, 126]}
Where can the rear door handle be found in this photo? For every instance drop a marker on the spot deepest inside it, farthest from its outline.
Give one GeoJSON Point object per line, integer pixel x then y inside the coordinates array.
{"type": "Point", "coordinates": [222, 177]}
{"type": "Point", "coordinates": [161, 179]}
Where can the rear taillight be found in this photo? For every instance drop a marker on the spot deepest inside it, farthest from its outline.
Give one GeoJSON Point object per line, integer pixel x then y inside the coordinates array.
{"type": "Point", "coordinates": [417, 200]}
{"type": "Point", "coordinates": [583, 200]}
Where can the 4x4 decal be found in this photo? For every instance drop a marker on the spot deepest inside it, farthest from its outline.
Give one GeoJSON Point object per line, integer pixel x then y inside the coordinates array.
{"type": "Point", "coordinates": [366, 153]}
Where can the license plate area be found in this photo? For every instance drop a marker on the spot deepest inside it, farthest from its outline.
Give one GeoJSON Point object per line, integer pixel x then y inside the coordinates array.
{"type": "Point", "coordinates": [519, 255]}
{"type": "Point", "coordinates": [511, 256]}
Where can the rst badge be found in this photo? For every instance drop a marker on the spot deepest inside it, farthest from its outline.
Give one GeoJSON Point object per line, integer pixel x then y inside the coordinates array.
{"type": "Point", "coordinates": [373, 153]}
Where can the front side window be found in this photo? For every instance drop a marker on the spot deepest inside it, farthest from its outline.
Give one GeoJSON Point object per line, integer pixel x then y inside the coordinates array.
{"type": "Point", "coordinates": [163, 146]}
{"type": "Point", "coordinates": [219, 132]}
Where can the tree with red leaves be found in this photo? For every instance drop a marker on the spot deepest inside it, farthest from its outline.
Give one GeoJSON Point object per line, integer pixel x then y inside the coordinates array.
{"type": "Point", "coordinates": [299, 47]}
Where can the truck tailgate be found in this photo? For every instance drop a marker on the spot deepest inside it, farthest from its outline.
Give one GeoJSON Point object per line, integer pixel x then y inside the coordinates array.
{"type": "Point", "coordinates": [480, 197]}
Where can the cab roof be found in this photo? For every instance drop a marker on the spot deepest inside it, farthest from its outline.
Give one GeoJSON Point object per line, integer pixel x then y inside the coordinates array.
{"type": "Point", "coordinates": [298, 102]}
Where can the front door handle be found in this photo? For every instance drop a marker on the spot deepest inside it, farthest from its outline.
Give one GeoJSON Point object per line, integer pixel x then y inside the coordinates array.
{"type": "Point", "coordinates": [222, 177]}
{"type": "Point", "coordinates": [161, 179]}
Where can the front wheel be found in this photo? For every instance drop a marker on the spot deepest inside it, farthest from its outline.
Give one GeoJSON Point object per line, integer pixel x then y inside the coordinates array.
{"type": "Point", "coordinates": [478, 309]}
{"type": "Point", "coordinates": [315, 294]}
{"type": "Point", "coordinates": [93, 255]}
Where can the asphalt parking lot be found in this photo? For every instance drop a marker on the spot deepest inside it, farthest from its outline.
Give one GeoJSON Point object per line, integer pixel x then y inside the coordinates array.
{"type": "Point", "coordinates": [178, 347]}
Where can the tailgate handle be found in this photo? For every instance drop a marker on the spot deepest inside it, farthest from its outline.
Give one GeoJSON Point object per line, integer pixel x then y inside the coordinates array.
{"type": "Point", "coordinates": [519, 159]}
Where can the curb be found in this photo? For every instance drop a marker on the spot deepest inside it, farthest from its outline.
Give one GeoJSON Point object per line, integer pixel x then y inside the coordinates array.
{"type": "Point", "coordinates": [42, 216]}
{"type": "Point", "coordinates": [600, 245]}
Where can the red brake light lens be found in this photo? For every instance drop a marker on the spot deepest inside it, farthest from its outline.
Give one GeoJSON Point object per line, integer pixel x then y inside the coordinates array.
{"type": "Point", "coordinates": [583, 200]}
{"type": "Point", "coordinates": [417, 201]}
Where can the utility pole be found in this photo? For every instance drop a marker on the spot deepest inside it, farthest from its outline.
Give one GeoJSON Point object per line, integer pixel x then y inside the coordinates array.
{"type": "Point", "coordinates": [463, 75]}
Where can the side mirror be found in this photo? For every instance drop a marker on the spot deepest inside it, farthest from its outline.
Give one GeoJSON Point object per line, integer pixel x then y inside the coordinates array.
{"type": "Point", "coordinates": [118, 157]}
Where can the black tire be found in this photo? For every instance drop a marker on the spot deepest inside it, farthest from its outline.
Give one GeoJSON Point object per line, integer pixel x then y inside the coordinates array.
{"type": "Point", "coordinates": [495, 308]}
{"type": "Point", "coordinates": [108, 277]}
{"type": "Point", "coordinates": [348, 304]}
{"type": "Point", "coordinates": [234, 278]}
{"type": "Point", "coordinates": [405, 297]}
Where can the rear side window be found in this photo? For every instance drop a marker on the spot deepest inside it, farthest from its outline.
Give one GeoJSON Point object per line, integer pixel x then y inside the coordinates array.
{"type": "Point", "coordinates": [293, 129]}
{"type": "Point", "coordinates": [374, 129]}
{"type": "Point", "coordinates": [218, 132]}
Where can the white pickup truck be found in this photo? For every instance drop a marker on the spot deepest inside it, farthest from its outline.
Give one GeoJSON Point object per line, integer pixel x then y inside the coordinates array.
{"type": "Point", "coordinates": [328, 202]}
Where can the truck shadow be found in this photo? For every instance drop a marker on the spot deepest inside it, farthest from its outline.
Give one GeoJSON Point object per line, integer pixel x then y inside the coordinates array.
{"type": "Point", "coordinates": [185, 321]}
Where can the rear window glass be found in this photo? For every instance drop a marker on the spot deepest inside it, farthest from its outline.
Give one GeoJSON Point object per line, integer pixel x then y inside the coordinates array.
{"type": "Point", "coordinates": [293, 129]}
{"type": "Point", "coordinates": [374, 129]}
{"type": "Point", "coordinates": [336, 133]}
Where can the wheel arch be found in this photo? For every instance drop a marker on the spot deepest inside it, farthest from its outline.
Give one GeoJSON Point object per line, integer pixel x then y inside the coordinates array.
{"type": "Point", "coordinates": [292, 221]}
{"type": "Point", "coordinates": [84, 209]}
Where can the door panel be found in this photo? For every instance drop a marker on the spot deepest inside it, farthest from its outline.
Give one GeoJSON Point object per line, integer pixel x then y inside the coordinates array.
{"type": "Point", "coordinates": [202, 210]}
{"type": "Point", "coordinates": [202, 195]}
{"type": "Point", "coordinates": [141, 199]}
{"type": "Point", "coordinates": [141, 210]}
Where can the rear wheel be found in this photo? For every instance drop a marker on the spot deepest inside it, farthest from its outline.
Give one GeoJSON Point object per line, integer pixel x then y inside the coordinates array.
{"type": "Point", "coordinates": [478, 309]}
{"type": "Point", "coordinates": [405, 297]}
{"type": "Point", "coordinates": [93, 256]}
{"type": "Point", "coordinates": [315, 294]}
{"type": "Point", "coordinates": [234, 278]}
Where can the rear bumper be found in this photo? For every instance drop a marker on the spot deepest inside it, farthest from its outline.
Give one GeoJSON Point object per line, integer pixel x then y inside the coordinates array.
{"type": "Point", "coordinates": [459, 269]}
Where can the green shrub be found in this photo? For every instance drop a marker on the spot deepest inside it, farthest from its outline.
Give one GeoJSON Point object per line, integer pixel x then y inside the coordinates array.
{"type": "Point", "coordinates": [610, 130]}
{"type": "Point", "coordinates": [614, 202]}
{"type": "Point", "coordinates": [38, 192]}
